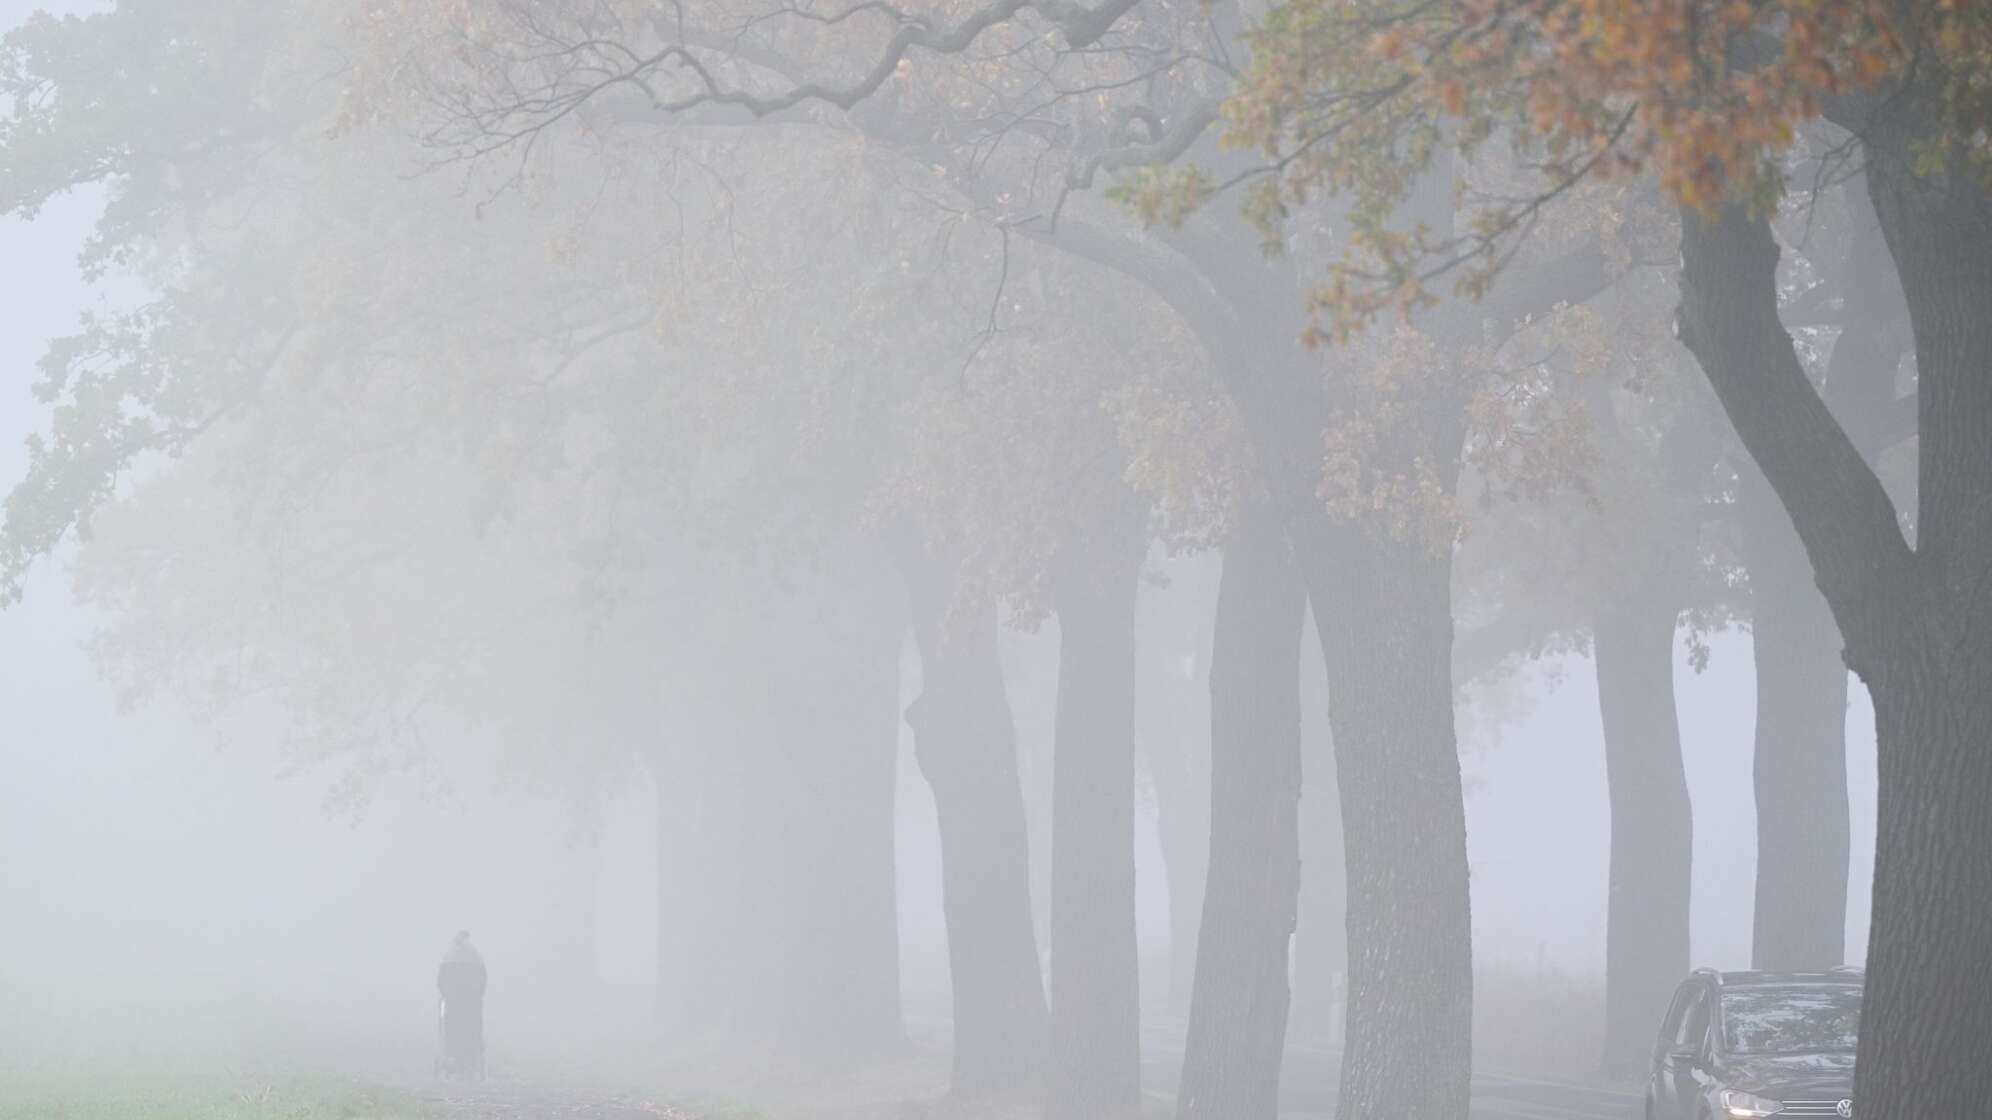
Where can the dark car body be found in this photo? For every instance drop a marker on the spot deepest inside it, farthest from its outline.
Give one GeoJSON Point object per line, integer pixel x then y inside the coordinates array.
{"type": "Point", "coordinates": [1786, 1038]}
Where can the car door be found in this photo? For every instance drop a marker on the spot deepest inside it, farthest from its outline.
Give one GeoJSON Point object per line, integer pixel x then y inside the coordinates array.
{"type": "Point", "coordinates": [1659, 1081]}
{"type": "Point", "coordinates": [1675, 1091]}
{"type": "Point", "coordinates": [1689, 1051]}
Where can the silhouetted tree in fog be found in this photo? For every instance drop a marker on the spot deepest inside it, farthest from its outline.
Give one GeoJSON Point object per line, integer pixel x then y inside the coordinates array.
{"type": "Point", "coordinates": [1238, 1016]}
{"type": "Point", "coordinates": [1708, 97]}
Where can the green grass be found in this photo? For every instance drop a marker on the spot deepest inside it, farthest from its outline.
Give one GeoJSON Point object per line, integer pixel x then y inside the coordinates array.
{"type": "Point", "coordinates": [77, 1097]}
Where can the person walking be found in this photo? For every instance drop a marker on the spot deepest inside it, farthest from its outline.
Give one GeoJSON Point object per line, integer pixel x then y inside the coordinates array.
{"type": "Point", "coordinates": [460, 981]}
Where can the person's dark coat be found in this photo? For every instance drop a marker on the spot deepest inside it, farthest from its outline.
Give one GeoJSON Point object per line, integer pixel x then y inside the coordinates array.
{"type": "Point", "coordinates": [460, 979]}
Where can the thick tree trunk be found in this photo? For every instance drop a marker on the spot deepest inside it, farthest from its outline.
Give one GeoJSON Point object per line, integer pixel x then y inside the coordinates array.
{"type": "Point", "coordinates": [840, 955]}
{"type": "Point", "coordinates": [1926, 1022]}
{"type": "Point", "coordinates": [967, 750]}
{"type": "Point", "coordinates": [1384, 613]}
{"type": "Point", "coordinates": [1801, 751]}
{"type": "Point", "coordinates": [966, 745]}
{"type": "Point", "coordinates": [1321, 943]}
{"type": "Point", "coordinates": [1646, 926]}
{"type": "Point", "coordinates": [1238, 1014]}
{"type": "Point", "coordinates": [1914, 621]}
{"type": "Point", "coordinates": [1095, 1071]}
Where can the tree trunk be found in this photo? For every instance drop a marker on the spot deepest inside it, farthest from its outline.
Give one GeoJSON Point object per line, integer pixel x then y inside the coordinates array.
{"type": "Point", "coordinates": [1926, 1020]}
{"type": "Point", "coordinates": [1646, 926]}
{"type": "Point", "coordinates": [966, 746]}
{"type": "Point", "coordinates": [1914, 620]}
{"type": "Point", "coordinates": [1384, 617]}
{"type": "Point", "coordinates": [1238, 1013]}
{"type": "Point", "coordinates": [1095, 1069]}
{"type": "Point", "coordinates": [840, 958]}
{"type": "Point", "coordinates": [1801, 772]}
{"type": "Point", "coordinates": [1185, 860]}
{"type": "Point", "coordinates": [1801, 751]}
{"type": "Point", "coordinates": [1321, 943]}
{"type": "Point", "coordinates": [1174, 738]}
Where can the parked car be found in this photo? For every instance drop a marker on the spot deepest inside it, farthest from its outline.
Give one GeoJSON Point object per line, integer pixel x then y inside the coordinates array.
{"type": "Point", "coordinates": [1742, 1045]}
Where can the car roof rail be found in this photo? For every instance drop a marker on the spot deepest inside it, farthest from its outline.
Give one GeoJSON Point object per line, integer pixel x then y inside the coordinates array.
{"type": "Point", "coordinates": [1711, 973]}
{"type": "Point", "coordinates": [1848, 968]}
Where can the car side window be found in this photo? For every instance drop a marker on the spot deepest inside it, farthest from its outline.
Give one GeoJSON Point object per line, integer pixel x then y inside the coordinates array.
{"type": "Point", "coordinates": [1694, 1024]}
{"type": "Point", "coordinates": [1670, 1029]}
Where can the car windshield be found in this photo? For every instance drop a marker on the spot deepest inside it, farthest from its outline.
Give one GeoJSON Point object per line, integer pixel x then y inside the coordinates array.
{"type": "Point", "coordinates": [1791, 1020]}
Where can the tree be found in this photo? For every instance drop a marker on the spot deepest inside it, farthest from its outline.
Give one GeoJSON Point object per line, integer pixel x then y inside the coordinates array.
{"type": "Point", "coordinates": [1320, 947]}
{"type": "Point", "coordinates": [495, 100]}
{"type": "Point", "coordinates": [733, 467]}
{"type": "Point", "coordinates": [1173, 732]}
{"type": "Point", "coordinates": [965, 741]}
{"type": "Point", "coordinates": [1054, 526]}
{"type": "Point", "coordinates": [1852, 354]}
{"type": "Point", "coordinates": [1659, 490]}
{"type": "Point", "coordinates": [1238, 1013]}
{"type": "Point", "coordinates": [1709, 94]}
{"type": "Point", "coordinates": [355, 342]}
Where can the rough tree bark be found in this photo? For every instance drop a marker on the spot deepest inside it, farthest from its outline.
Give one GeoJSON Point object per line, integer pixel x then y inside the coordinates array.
{"type": "Point", "coordinates": [1914, 621]}
{"type": "Point", "coordinates": [1238, 1013]}
{"type": "Point", "coordinates": [1646, 934]}
{"type": "Point", "coordinates": [1095, 1071]}
{"type": "Point", "coordinates": [1800, 767]}
{"type": "Point", "coordinates": [966, 746]}
{"type": "Point", "coordinates": [1925, 1021]}
{"type": "Point", "coordinates": [1383, 609]}
{"type": "Point", "coordinates": [1927, 1018]}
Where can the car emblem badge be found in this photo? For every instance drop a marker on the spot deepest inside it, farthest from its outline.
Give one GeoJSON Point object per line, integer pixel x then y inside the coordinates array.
{"type": "Point", "coordinates": [1844, 1108]}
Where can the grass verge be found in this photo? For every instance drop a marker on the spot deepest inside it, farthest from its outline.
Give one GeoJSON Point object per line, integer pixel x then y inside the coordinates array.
{"type": "Point", "coordinates": [160, 1097]}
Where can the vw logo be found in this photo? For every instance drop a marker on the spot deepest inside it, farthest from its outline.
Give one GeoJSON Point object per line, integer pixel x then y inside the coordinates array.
{"type": "Point", "coordinates": [1844, 1108]}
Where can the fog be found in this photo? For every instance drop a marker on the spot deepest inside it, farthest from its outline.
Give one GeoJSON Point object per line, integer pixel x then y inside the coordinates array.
{"type": "Point", "coordinates": [876, 571]}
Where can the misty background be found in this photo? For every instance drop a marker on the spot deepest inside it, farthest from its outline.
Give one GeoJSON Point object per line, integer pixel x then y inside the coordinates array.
{"type": "Point", "coordinates": [177, 894]}
{"type": "Point", "coordinates": [843, 591]}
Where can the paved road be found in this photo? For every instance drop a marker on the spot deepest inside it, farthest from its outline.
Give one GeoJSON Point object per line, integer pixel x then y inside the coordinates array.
{"type": "Point", "coordinates": [1307, 1092]}
{"type": "Point", "coordinates": [1308, 1080]}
